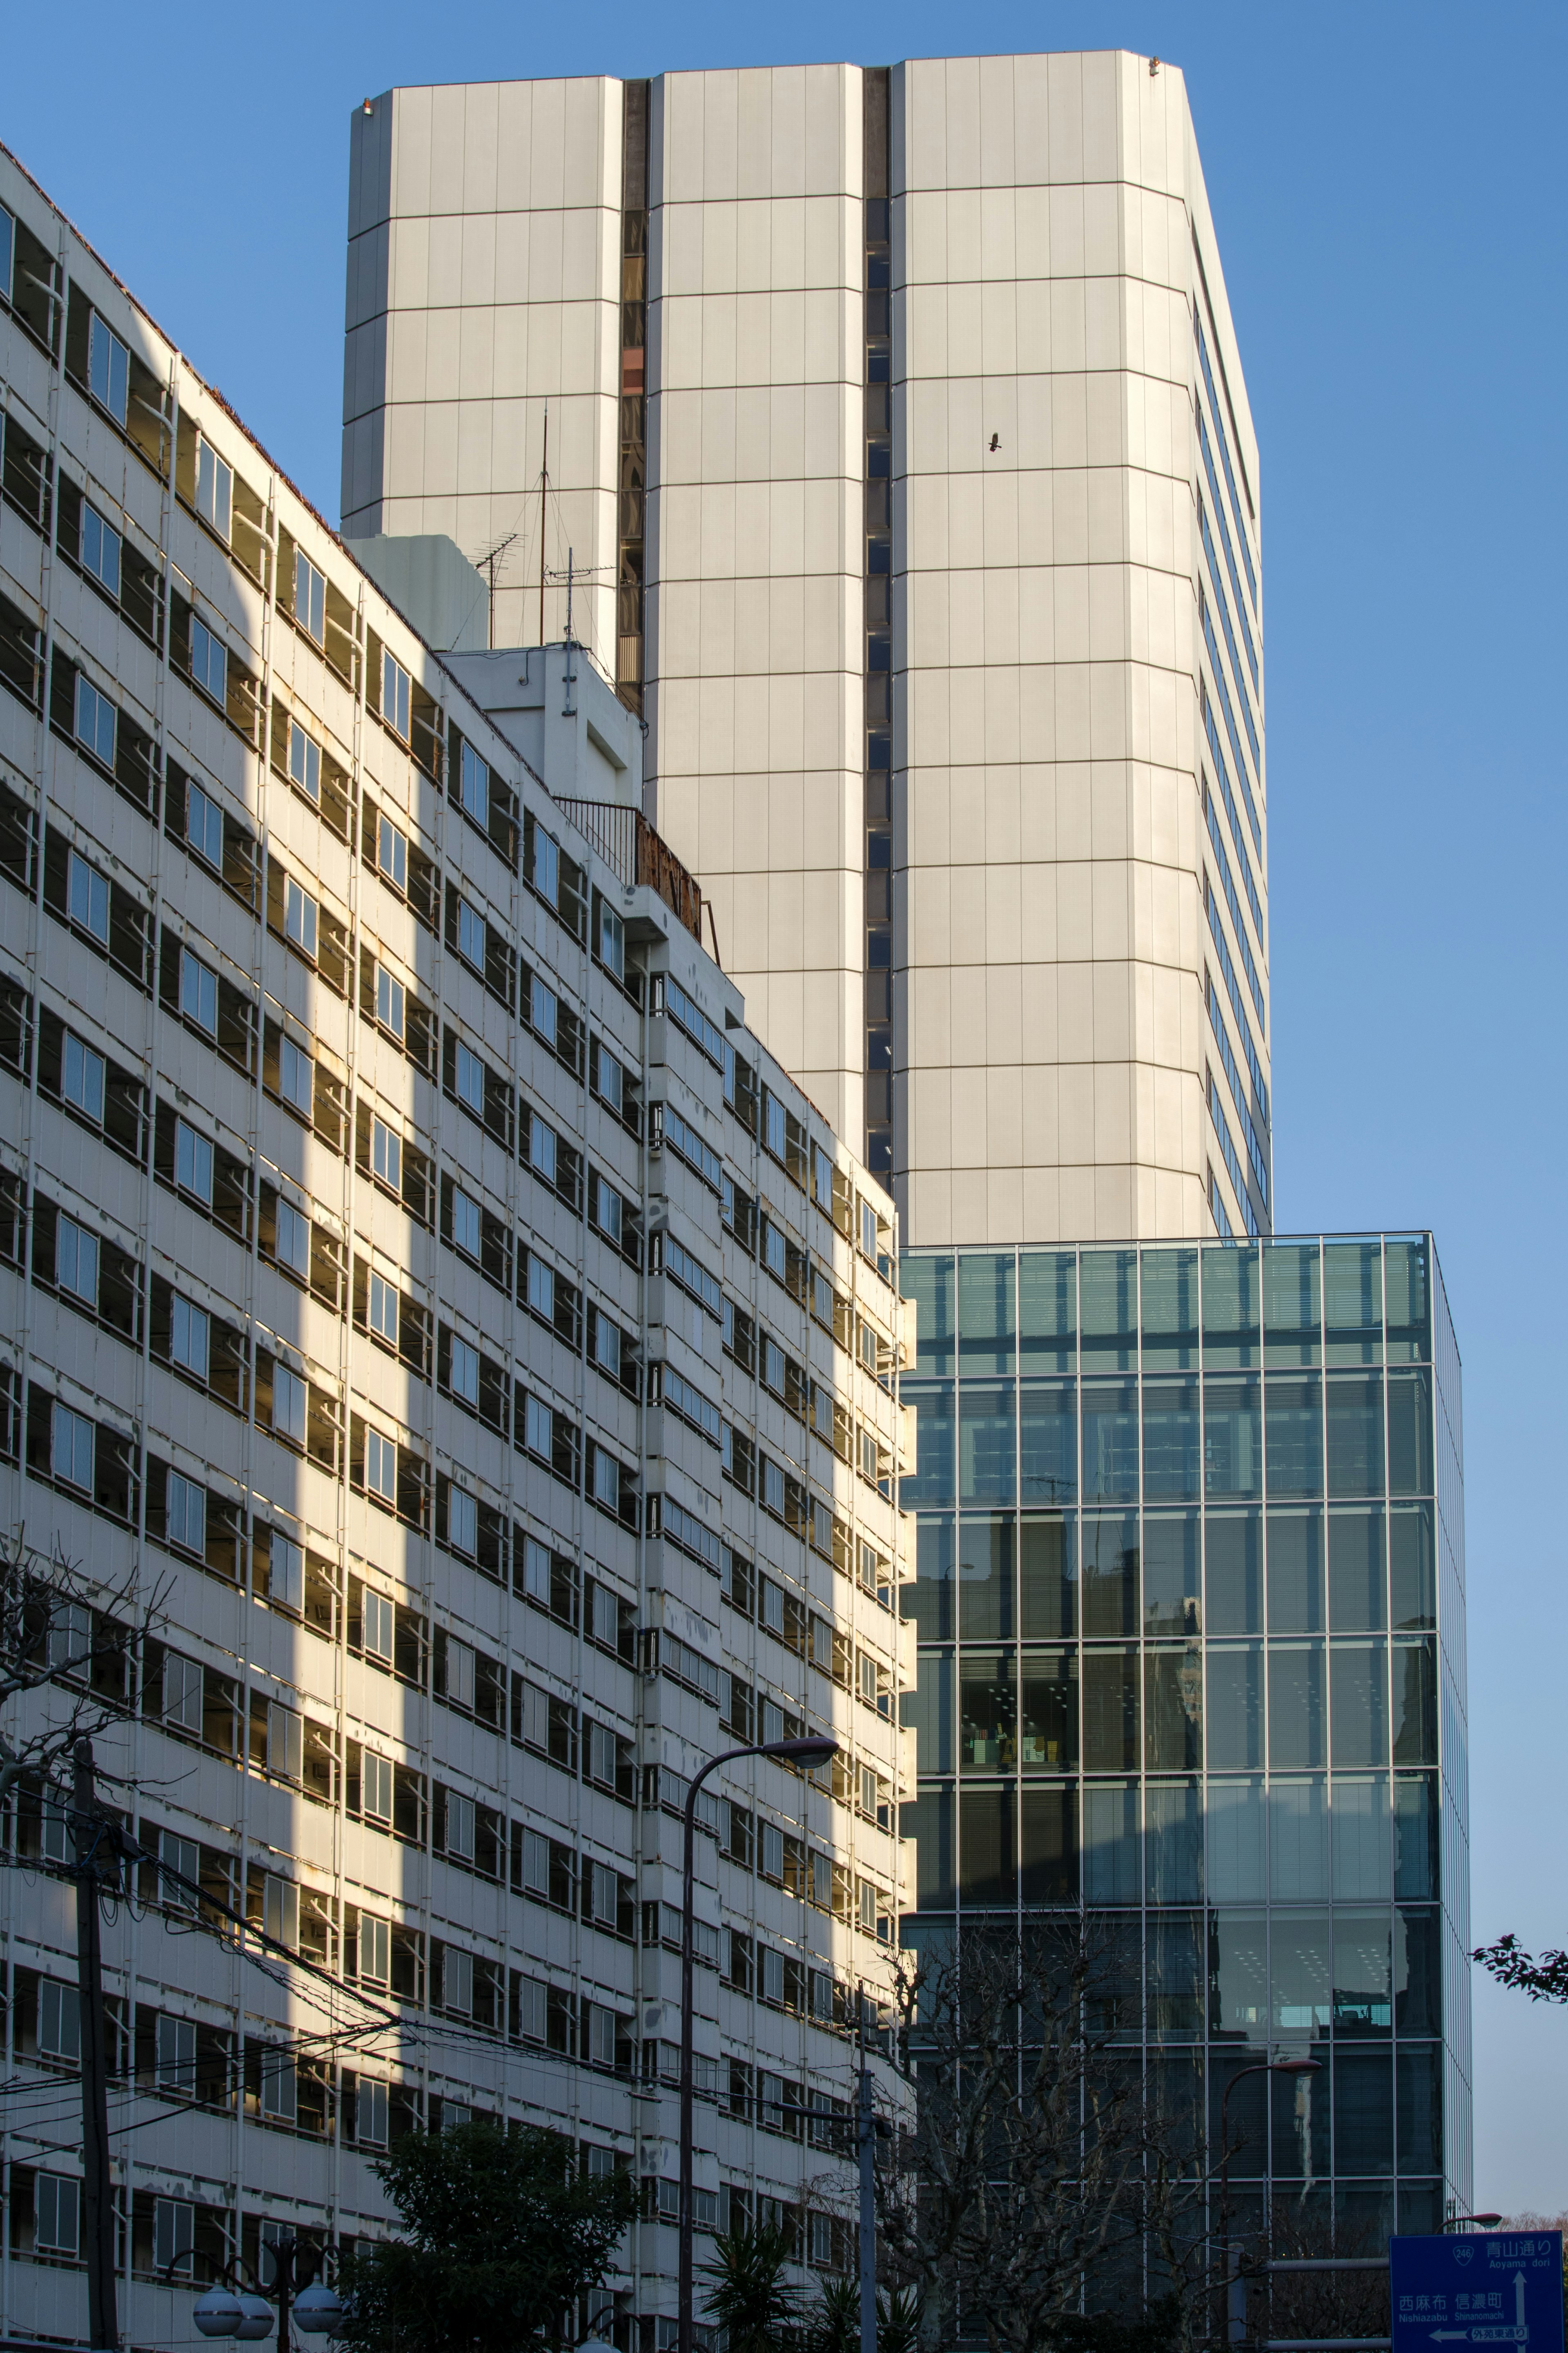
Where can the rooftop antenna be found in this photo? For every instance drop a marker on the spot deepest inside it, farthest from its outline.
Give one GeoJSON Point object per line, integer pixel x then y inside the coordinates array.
{"type": "Point", "coordinates": [494, 556]}
{"type": "Point", "coordinates": [566, 709]}
{"type": "Point", "coordinates": [543, 494]}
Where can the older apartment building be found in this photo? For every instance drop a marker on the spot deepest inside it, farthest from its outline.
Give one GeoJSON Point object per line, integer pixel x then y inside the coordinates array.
{"type": "Point", "coordinates": [479, 1354]}
{"type": "Point", "coordinates": [896, 422]}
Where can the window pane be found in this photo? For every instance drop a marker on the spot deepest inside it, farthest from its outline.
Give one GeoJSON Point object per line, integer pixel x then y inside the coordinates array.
{"type": "Point", "coordinates": [1292, 1302]}
{"type": "Point", "coordinates": [1170, 1279]}
{"type": "Point", "coordinates": [1234, 1572]}
{"type": "Point", "coordinates": [1110, 1711]}
{"type": "Point", "coordinates": [1363, 2112]}
{"type": "Point", "coordinates": [1171, 1445]}
{"type": "Point", "coordinates": [1298, 1842]}
{"type": "Point", "coordinates": [1235, 1706]}
{"type": "Point", "coordinates": [987, 1443]}
{"type": "Point", "coordinates": [1295, 1438]}
{"type": "Point", "coordinates": [988, 1711]}
{"type": "Point", "coordinates": [1047, 1442]}
{"type": "Point", "coordinates": [1355, 1437]}
{"type": "Point", "coordinates": [985, 1580]}
{"type": "Point", "coordinates": [1410, 1434]}
{"type": "Point", "coordinates": [1109, 1306]}
{"type": "Point", "coordinates": [1239, 1983]}
{"type": "Point", "coordinates": [1109, 1442]}
{"type": "Point", "coordinates": [1047, 1311]}
{"type": "Point", "coordinates": [1359, 1696]}
{"type": "Point", "coordinates": [1232, 1326]}
{"type": "Point", "coordinates": [1412, 1573]}
{"type": "Point", "coordinates": [1049, 1840]}
{"type": "Point", "coordinates": [1173, 1708]}
{"type": "Point", "coordinates": [1353, 1301]}
{"type": "Point", "coordinates": [988, 1864]}
{"type": "Point", "coordinates": [1173, 1842]}
{"type": "Point", "coordinates": [928, 1712]}
{"type": "Point", "coordinates": [929, 1822]}
{"type": "Point", "coordinates": [1048, 1727]}
{"type": "Point", "coordinates": [929, 1599]}
{"type": "Point", "coordinates": [1296, 1572]}
{"type": "Point", "coordinates": [1112, 1871]}
{"type": "Point", "coordinates": [1298, 1972]}
{"type": "Point", "coordinates": [1363, 1849]}
{"type": "Point", "coordinates": [987, 1311]}
{"type": "Point", "coordinates": [1109, 1573]}
{"type": "Point", "coordinates": [1363, 1982]}
{"type": "Point", "coordinates": [1358, 1584]}
{"type": "Point", "coordinates": [1235, 1838]}
{"type": "Point", "coordinates": [1047, 1578]}
{"type": "Point", "coordinates": [1297, 1730]}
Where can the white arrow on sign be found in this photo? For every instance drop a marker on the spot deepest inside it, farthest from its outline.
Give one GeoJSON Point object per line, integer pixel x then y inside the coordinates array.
{"type": "Point", "coordinates": [1518, 2298]}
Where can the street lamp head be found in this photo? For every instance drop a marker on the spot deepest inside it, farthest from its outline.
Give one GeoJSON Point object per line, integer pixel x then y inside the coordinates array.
{"type": "Point", "coordinates": [255, 2319]}
{"type": "Point", "coordinates": [217, 2314]}
{"type": "Point", "coordinates": [1296, 2066]}
{"type": "Point", "coordinates": [1486, 2221]}
{"type": "Point", "coordinates": [813, 1750]}
{"type": "Point", "coordinates": [320, 2311]}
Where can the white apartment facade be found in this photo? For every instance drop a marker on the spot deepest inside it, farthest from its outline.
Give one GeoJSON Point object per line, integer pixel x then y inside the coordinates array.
{"type": "Point", "coordinates": [421, 1282]}
{"type": "Point", "coordinates": [898, 437]}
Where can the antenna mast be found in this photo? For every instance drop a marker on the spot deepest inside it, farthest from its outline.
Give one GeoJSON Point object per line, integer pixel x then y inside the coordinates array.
{"type": "Point", "coordinates": [543, 495]}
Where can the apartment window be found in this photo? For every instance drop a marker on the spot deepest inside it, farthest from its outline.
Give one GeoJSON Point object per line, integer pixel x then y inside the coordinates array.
{"type": "Point", "coordinates": [209, 663]}
{"type": "Point", "coordinates": [541, 1288]}
{"type": "Point", "coordinates": [607, 1207]}
{"type": "Point", "coordinates": [463, 1533]}
{"type": "Point", "coordinates": [541, 1148]}
{"type": "Point", "coordinates": [100, 549]}
{"type": "Point", "coordinates": [869, 1230]}
{"type": "Point", "coordinates": [75, 1260]}
{"type": "Point", "coordinates": [296, 1076]}
{"type": "Point", "coordinates": [539, 1428]}
{"type": "Point", "coordinates": [377, 1619]}
{"type": "Point", "coordinates": [71, 1440]}
{"type": "Point", "coordinates": [81, 1079]}
{"type": "Point", "coordinates": [304, 761]}
{"type": "Point", "coordinates": [293, 1246]}
{"type": "Point", "coordinates": [543, 1010]}
{"type": "Point", "coordinates": [611, 1082]}
{"type": "Point", "coordinates": [546, 875]}
{"type": "Point", "coordinates": [280, 1912]}
{"type": "Point", "coordinates": [87, 894]}
{"type": "Point", "coordinates": [606, 1480]}
{"type": "Point", "coordinates": [181, 1871]}
{"type": "Point", "coordinates": [173, 2234]}
{"type": "Point", "coordinates": [198, 992]}
{"type": "Point", "coordinates": [299, 918]}
{"type": "Point", "coordinates": [59, 2021]}
{"type": "Point", "coordinates": [375, 1794]}
{"type": "Point", "coordinates": [280, 2087]}
{"type": "Point", "coordinates": [380, 1466]}
{"type": "Point", "coordinates": [193, 1163]}
{"type": "Point", "coordinates": [185, 1514]}
{"type": "Point", "coordinates": [612, 942]}
{"type": "Point", "coordinates": [394, 694]}
{"type": "Point", "coordinates": [285, 1572]}
{"type": "Point", "coordinates": [392, 854]}
{"type": "Point", "coordinates": [289, 1400]}
{"type": "Point", "coordinates": [70, 1640]}
{"type": "Point", "coordinates": [465, 1223]}
{"type": "Point", "coordinates": [383, 1309]}
{"type": "Point", "coordinates": [457, 1982]}
{"type": "Point", "coordinates": [108, 370]}
{"type": "Point", "coordinates": [174, 2054]}
{"type": "Point", "coordinates": [57, 2214]}
{"type": "Point", "coordinates": [774, 1255]}
{"type": "Point", "coordinates": [369, 2105]}
{"type": "Point", "coordinates": [389, 1001]}
{"type": "Point", "coordinates": [189, 1337]}
{"type": "Point", "coordinates": [476, 786]}
{"type": "Point", "coordinates": [374, 1955]}
{"type": "Point", "coordinates": [285, 1742]}
{"type": "Point", "coordinates": [459, 1826]}
{"type": "Point", "coordinates": [470, 1080]}
{"type": "Point", "coordinates": [471, 941]}
{"type": "Point", "coordinates": [607, 1346]}
{"type": "Point", "coordinates": [773, 1367]}
{"type": "Point", "coordinates": [309, 598]}
{"type": "Point", "coordinates": [465, 1372]}
{"type": "Point", "coordinates": [203, 827]}
{"type": "Point", "coordinates": [386, 1156]}
{"type": "Point", "coordinates": [214, 489]}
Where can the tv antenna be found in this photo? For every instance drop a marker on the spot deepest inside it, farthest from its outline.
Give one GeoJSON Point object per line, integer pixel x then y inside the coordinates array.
{"type": "Point", "coordinates": [490, 561]}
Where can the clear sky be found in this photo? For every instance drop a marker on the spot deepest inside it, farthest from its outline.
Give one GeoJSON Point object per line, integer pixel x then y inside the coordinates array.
{"type": "Point", "coordinates": [1386, 187]}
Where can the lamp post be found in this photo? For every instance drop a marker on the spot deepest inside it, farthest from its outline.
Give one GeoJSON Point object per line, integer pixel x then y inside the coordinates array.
{"type": "Point", "coordinates": [1483, 2221]}
{"type": "Point", "coordinates": [813, 1750]}
{"type": "Point", "coordinates": [318, 2310]}
{"type": "Point", "coordinates": [1236, 2322]}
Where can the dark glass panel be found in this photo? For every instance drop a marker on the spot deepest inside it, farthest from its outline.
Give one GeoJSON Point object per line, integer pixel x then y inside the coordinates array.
{"type": "Point", "coordinates": [1296, 1572]}
{"type": "Point", "coordinates": [1047, 1441]}
{"type": "Point", "coordinates": [1364, 2214]}
{"type": "Point", "coordinates": [1233, 1829]}
{"type": "Point", "coordinates": [1419, 2122]}
{"type": "Point", "coordinates": [987, 1587]}
{"type": "Point", "coordinates": [1353, 1301]}
{"type": "Point", "coordinates": [1047, 1578]}
{"type": "Point", "coordinates": [1113, 1989]}
{"type": "Point", "coordinates": [1239, 1983]}
{"type": "Point", "coordinates": [1232, 1437]}
{"type": "Point", "coordinates": [1294, 1437]}
{"type": "Point", "coordinates": [1299, 1840]}
{"type": "Point", "coordinates": [1173, 1708]}
{"type": "Point", "coordinates": [1173, 1448]}
{"type": "Point", "coordinates": [1109, 1442]}
{"type": "Point", "coordinates": [928, 1600]}
{"type": "Point", "coordinates": [1415, 1700]}
{"type": "Point", "coordinates": [1047, 1311]}
{"type": "Point", "coordinates": [987, 1311]}
{"type": "Point", "coordinates": [1049, 1827]}
{"type": "Point", "coordinates": [1358, 1699]}
{"type": "Point", "coordinates": [988, 1846]}
{"type": "Point", "coordinates": [1110, 1711]}
{"type": "Point", "coordinates": [1355, 1436]}
{"type": "Point", "coordinates": [1416, 1837]}
{"type": "Point", "coordinates": [1172, 1842]}
{"type": "Point", "coordinates": [1363, 1853]}
{"type": "Point", "coordinates": [1108, 1308]}
{"type": "Point", "coordinates": [929, 1281]}
{"type": "Point", "coordinates": [1170, 1310]}
{"type": "Point", "coordinates": [1112, 1872]}
{"type": "Point", "coordinates": [927, 1712]}
{"type": "Point", "coordinates": [988, 1711]}
{"type": "Point", "coordinates": [1048, 1715]}
{"type": "Point", "coordinates": [1292, 1303]}
{"type": "Point", "coordinates": [1417, 1983]}
{"type": "Point", "coordinates": [1109, 1575]}
{"type": "Point", "coordinates": [1175, 2083]}
{"type": "Point", "coordinates": [1235, 1706]}
{"type": "Point", "coordinates": [929, 1821]}
{"type": "Point", "coordinates": [1172, 1577]}
{"type": "Point", "coordinates": [1363, 2112]}
{"type": "Point", "coordinates": [1409, 1303]}
{"type": "Point", "coordinates": [1296, 1711]}
{"type": "Point", "coordinates": [1299, 1973]}
{"type": "Point", "coordinates": [1410, 1434]}
{"type": "Point", "coordinates": [1233, 1598]}
{"type": "Point", "coordinates": [1176, 1973]}
{"type": "Point", "coordinates": [1363, 1983]}
{"type": "Point", "coordinates": [931, 1480]}
{"type": "Point", "coordinates": [1358, 1583]}
{"type": "Point", "coordinates": [1421, 2207]}
{"type": "Point", "coordinates": [1300, 2109]}
{"type": "Point", "coordinates": [1413, 1572]}
{"type": "Point", "coordinates": [1232, 1326]}
{"type": "Point", "coordinates": [988, 1443]}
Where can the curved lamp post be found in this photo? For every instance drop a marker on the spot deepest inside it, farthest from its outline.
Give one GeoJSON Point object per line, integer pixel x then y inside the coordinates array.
{"type": "Point", "coordinates": [1236, 2322]}
{"type": "Point", "coordinates": [1485, 2222]}
{"type": "Point", "coordinates": [248, 2315]}
{"type": "Point", "coordinates": [813, 1750]}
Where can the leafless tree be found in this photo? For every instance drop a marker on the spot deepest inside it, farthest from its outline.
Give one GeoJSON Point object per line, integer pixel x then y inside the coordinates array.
{"type": "Point", "coordinates": [68, 1647]}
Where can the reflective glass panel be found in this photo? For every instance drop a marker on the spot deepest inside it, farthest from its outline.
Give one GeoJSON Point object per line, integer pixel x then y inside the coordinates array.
{"type": "Point", "coordinates": [1353, 1301]}
{"type": "Point", "coordinates": [1292, 1303]}
{"type": "Point", "coordinates": [929, 1821]}
{"type": "Point", "coordinates": [1171, 1573]}
{"type": "Point", "coordinates": [1047, 1441]}
{"type": "Point", "coordinates": [985, 1580]}
{"type": "Point", "coordinates": [1414, 1837]}
{"type": "Point", "coordinates": [1048, 1715]}
{"type": "Point", "coordinates": [931, 1480]}
{"type": "Point", "coordinates": [1172, 1442]}
{"type": "Point", "coordinates": [987, 1311]}
{"type": "Point", "coordinates": [927, 1711]}
{"type": "Point", "coordinates": [1358, 1582]}
{"type": "Point", "coordinates": [1232, 1325]}
{"type": "Point", "coordinates": [1049, 1840]}
{"type": "Point", "coordinates": [1047, 1311]}
{"type": "Point", "coordinates": [1363, 1849]}
{"type": "Point", "coordinates": [1364, 1985]}
{"type": "Point", "coordinates": [1232, 1437]}
{"type": "Point", "coordinates": [1409, 1305]}
{"type": "Point", "coordinates": [1410, 1434]}
{"type": "Point", "coordinates": [1172, 1842]}
{"type": "Point", "coordinates": [1112, 1872]}
{"type": "Point", "coordinates": [1109, 1442]}
{"type": "Point", "coordinates": [1170, 1280]}
{"type": "Point", "coordinates": [988, 1443]}
{"type": "Point", "coordinates": [1236, 1843]}
{"type": "Point", "coordinates": [988, 1846]}
{"type": "Point", "coordinates": [1415, 1700]}
{"type": "Point", "coordinates": [1108, 1579]}
{"type": "Point", "coordinates": [929, 1599]}
{"type": "Point", "coordinates": [1296, 1729]}
{"type": "Point", "coordinates": [1235, 1672]}
{"type": "Point", "coordinates": [1356, 1435]}
{"type": "Point", "coordinates": [1238, 1978]}
{"type": "Point", "coordinates": [1173, 1708]}
{"type": "Point", "coordinates": [1294, 1433]}
{"type": "Point", "coordinates": [1109, 1307]}
{"type": "Point", "coordinates": [1363, 2112]}
{"type": "Point", "coordinates": [1110, 1711]}
{"type": "Point", "coordinates": [1177, 1967]}
{"type": "Point", "coordinates": [1413, 1575]}
{"type": "Point", "coordinates": [1298, 1972]}
{"type": "Point", "coordinates": [1234, 1572]}
{"type": "Point", "coordinates": [1417, 1983]}
{"type": "Point", "coordinates": [1298, 1842]}
{"type": "Point", "coordinates": [929, 1281]}
{"type": "Point", "coordinates": [988, 1711]}
{"type": "Point", "coordinates": [1047, 1578]}
{"type": "Point", "coordinates": [1358, 1691]}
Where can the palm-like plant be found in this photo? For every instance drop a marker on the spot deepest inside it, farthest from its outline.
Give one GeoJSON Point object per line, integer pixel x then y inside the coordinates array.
{"type": "Point", "coordinates": [750, 2298]}
{"type": "Point", "coordinates": [899, 2321]}
{"type": "Point", "coordinates": [836, 2322]}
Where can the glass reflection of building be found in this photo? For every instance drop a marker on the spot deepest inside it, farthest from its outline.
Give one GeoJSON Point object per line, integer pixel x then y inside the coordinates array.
{"type": "Point", "coordinates": [1192, 1646]}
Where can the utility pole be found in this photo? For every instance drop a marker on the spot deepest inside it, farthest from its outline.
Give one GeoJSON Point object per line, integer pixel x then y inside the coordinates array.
{"type": "Point", "coordinates": [97, 2186]}
{"type": "Point", "coordinates": [867, 2152]}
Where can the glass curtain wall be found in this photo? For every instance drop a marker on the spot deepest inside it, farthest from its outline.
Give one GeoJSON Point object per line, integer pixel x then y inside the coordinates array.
{"type": "Point", "coordinates": [1181, 1652]}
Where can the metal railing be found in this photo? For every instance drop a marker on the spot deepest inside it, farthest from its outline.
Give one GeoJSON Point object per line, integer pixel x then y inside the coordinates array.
{"type": "Point", "coordinates": [633, 851]}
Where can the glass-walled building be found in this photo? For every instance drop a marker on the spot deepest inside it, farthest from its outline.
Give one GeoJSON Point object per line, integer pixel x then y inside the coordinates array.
{"type": "Point", "coordinates": [1191, 1621]}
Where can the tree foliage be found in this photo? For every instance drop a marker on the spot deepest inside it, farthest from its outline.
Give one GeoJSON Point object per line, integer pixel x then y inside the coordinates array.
{"type": "Point", "coordinates": [750, 2297]}
{"type": "Point", "coordinates": [501, 2235]}
{"type": "Point", "coordinates": [1545, 1979]}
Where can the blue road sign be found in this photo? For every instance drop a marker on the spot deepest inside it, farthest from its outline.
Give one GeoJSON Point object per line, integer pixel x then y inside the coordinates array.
{"type": "Point", "coordinates": [1477, 2288]}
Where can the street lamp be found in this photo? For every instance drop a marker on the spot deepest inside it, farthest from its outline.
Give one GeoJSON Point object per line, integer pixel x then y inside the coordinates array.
{"type": "Point", "coordinates": [1235, 2321]}
{"type": "Point", "coordinates": [816, 1749]}
{"type": "Point", "coordinates": [1486, 2221]}
{"type": "Point", "coordinates": [318, 2310]}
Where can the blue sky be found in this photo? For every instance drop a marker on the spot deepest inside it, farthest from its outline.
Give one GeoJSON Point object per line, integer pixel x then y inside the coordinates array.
{"type": "Point", "coordinates": [1385, 185]}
